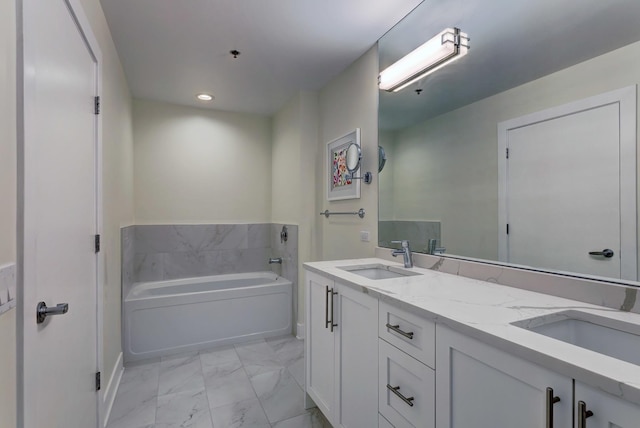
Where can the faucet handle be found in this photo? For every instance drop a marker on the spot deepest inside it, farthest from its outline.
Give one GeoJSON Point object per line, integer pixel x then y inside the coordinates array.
{"type": "Point", "coordinates": [404, 242]}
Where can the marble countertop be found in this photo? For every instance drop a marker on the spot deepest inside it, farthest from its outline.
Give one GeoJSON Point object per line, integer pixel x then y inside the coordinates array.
{"type": "Point", "coordinates": [486, 311]}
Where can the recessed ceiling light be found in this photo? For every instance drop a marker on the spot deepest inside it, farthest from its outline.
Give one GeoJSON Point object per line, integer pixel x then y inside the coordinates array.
{"type": "Point", "coordinates": [204, 97]}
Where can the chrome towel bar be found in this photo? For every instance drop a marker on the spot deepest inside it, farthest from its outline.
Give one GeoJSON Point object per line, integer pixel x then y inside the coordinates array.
{"type": "Point", "coordinates": [359, 213]}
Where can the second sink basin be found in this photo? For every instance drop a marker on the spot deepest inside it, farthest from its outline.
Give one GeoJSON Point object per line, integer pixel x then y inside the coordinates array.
{"type": "Point", "coordinates": [378, 271]}
{"type": "Point", "coordinates": [606, 336]}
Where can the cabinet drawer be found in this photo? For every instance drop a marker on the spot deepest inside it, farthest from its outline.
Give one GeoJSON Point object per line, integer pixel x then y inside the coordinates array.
{"type": "Point", "coordinates": [419, 336]}
{"type": "Point", "coordinates": [410, 379]}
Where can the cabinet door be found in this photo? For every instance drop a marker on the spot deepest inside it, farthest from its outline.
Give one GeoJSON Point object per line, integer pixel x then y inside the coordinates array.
{"type": "Point", "coordinates": [319, 343]}
{"type": "Point", "coordinates": [356, 359]}
{"type": "Point", "coordinates": [479, 386]}
{"type": "Point", "coordinates": [608, 410]}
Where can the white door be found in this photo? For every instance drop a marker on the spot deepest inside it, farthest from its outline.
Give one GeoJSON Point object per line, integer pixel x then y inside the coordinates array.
{"type": "Point", "coordinates": [570, 188]}
{"type": "Point", "coordinates": [356, 384]}
{"type": "Point", "coordinates": [59, 220]}
{"type": "Point", "coordinates": [481, 387]}
{"type": "Point", "coordinates": [607, 411]}
{"type": "Point", "coordinates": [320, 343]}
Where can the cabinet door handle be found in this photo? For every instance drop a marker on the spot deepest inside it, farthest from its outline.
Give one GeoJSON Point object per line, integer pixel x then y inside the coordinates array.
{"type": "Point", "coordinates": [551, 400]}
{"type": "Point", "coordinates": [396, 390]}
{"type": "Point", "coordinates": [333, 293]}
{"type": "Point", "coordinates": [396, 328]}
{"type": "Point", "coordinates": [326, 307]}
{"type": "Point", "coordinates": [583, 414]}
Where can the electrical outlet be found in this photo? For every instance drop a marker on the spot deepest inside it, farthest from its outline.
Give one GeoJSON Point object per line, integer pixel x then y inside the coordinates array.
{"type": "Point", "coordinates": [364, 235]}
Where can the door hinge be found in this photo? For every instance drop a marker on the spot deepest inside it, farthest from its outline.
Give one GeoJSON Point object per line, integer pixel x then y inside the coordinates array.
{"type": "Point", "coordinates": [97, 105]}
{"type": "Point", "coordinates": [98, 386]}
{"type": "Point", "coordinates": [97, 243]}
{"type": "Point", "coordinates": [507, 228]}
{"type": "Point", "coordinates": [507, 152]}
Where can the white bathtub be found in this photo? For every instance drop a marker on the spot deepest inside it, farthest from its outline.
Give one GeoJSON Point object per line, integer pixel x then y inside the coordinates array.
{"type": "Point", "coordinates": [167, 317]}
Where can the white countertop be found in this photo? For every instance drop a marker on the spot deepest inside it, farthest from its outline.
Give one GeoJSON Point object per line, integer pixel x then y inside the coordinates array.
{"type": "Point", "coordinates": [485, 311]}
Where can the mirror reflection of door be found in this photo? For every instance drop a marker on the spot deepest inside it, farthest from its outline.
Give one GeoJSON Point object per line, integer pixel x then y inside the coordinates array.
{"type": "Point", "coordinates": [560, 197]}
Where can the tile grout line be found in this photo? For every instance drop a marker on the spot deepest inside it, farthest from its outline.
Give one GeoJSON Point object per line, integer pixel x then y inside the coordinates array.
{"type": "Point", "coordinates": [252, 387]}
{"type": "Point", "coordinates": [155, 414]}
{"type": "Point", "coordinates": [206, 392]}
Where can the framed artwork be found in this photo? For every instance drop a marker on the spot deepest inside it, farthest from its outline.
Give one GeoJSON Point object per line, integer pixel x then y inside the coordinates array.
{"type": "Point", "coordinates": [339, 185]}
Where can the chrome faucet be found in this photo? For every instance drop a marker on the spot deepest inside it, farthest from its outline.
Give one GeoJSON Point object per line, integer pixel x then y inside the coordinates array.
{"type": "Point", "coordinates": [405, 251]}
{"type": "Point", "coordinates": [433, 250]}
{"type": "Point", "coordinates": [275, 260]}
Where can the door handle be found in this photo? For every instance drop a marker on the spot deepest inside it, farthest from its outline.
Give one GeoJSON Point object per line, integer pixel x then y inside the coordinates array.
{"type": "Point", "coordinates": [551, 400]}
{"type": "Point", "coordinates": [326, 306]}
{"type": "Point", "coordinates": [332, 325]}
{"type": "Point", "coordinates": [42, 311]}
{"type": "Point", "coordinates": [605, 253]}
{"type": "Point", "coordinates": [583, 414]}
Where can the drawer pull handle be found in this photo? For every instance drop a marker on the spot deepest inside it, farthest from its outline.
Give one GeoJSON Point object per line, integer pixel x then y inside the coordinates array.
{"type": "Point", "coordinates": [396, 328]}
{"type": "Point", "coordinates": [395, 390]}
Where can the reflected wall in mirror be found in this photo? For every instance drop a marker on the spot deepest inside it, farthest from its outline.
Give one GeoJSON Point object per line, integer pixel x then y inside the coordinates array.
{"type": "Point", "coordinates": [441, 136]}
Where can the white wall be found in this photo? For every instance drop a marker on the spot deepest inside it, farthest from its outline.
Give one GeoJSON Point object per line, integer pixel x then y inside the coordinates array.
{"type": "Point", "coordinates": [294, 164]}
{"type": "Point", "coordinates": [7, 204]}
{"type": "Point", "coordinates": [350, 101]}
{"type": "Point", "coordinates": [196, 165]}
{"type": "Point", "coordinates": [449, 172]}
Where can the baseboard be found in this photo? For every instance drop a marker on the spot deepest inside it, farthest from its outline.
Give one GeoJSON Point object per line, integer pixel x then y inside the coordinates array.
{"type": "Point", "coordinates": [300, 331]}
{"type": "Point", "coordinates": [112, 388]}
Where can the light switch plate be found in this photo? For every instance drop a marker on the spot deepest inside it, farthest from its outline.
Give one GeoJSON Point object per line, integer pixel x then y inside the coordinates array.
{"type": "Point", "coordinates": [364, 235]}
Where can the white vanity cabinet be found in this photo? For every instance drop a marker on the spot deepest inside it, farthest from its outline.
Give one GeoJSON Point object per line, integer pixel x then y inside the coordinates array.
{"type": "Point", "coordinates": [606, 410]}
{"type": "Point", "coordinates": [341, 352]}
{"type": "Point", "coordinates": [482, 387]}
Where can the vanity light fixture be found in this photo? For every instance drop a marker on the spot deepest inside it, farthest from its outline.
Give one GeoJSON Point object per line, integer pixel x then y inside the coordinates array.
{"type": "Point", "coordinates": [444, 48]}
{"type": "Point", "coordinates": [204, 97]}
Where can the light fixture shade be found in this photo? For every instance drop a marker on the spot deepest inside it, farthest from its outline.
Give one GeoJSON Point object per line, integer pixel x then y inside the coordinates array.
{"type": "Point", "coordinates": [442, 49]}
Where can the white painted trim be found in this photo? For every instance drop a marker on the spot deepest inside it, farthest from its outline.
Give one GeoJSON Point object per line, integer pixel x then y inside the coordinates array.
{"type": "Point", "coordinates": [626, 99]}
{"type": "Point", "coordinates": [300, 331]}
{"type": "Point", "coordinates": [85, 27]}
{"type": "Point", "coordinates": [112, 389]}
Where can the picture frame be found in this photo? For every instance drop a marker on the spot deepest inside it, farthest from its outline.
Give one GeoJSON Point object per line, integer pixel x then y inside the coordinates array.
{"type": "Point", "coordinates": [339, 186]}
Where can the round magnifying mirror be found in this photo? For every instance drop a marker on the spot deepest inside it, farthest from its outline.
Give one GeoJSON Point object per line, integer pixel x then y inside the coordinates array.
{"type": "Point", "coordinates": [353, 157]}
{"type": "Point", "coordinates": [382, 158]}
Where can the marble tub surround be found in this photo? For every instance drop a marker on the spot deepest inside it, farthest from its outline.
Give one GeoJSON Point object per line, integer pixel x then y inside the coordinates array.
{"type": "Point", "coordinates": [250, 385]}
{"type": "Point", "coordinates": [597, 292]}
{"type": "Point", "coordinates": [486, 311]}
{"type": "Point", "coordinates": [158, 252]}
{"type": "Point", "coordinates": [7, 287]}
{"type": "Point", "coordinates": [418, 232]}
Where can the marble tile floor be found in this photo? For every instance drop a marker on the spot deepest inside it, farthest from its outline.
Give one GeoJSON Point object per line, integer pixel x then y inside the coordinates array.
{"type": "Point", "coordinates": [256, 384]}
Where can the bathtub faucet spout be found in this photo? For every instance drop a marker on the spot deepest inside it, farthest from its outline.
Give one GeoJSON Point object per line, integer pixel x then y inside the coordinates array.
{"type": "Point", "coordinates": [275, 260]}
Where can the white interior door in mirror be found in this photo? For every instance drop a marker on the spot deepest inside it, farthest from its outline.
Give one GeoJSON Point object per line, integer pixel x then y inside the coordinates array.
{"type": "Point", "coordinates": [559, 178]}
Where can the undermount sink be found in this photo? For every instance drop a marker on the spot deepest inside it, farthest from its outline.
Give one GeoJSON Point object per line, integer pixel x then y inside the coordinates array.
{"type": "Point", "coordinates": [378, 271]}
{"type": "Point", "coordinates": [606, 336]}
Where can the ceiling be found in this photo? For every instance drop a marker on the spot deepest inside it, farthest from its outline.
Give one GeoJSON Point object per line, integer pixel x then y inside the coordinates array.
{"type": "Point", "coordinates": [512, 42]}
{"type": "Point", "coordinates": [172, 50]}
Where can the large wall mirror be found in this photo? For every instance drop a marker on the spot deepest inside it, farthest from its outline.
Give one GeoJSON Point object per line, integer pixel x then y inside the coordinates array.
{"type": "Point", "coordinates": [555, 83]}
